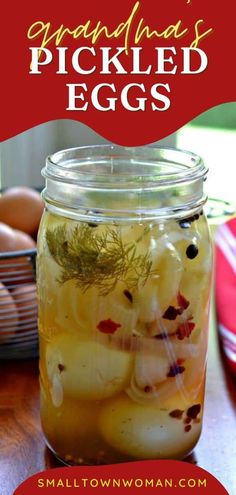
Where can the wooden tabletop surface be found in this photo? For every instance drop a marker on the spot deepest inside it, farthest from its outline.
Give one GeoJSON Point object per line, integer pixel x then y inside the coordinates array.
{"type": "Point", "coordinates": [22, 447]}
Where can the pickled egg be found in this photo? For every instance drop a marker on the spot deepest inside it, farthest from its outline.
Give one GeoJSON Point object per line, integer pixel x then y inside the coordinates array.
{"type": "Point", "coordinates": [145, 432]}
{"type": "Point", "coordinates": [21, 208]}
{"type": "Point", "coordinates": [74, 310]}
{"type": "Point", "coordinates": [162, 287]}
{"type": "Point", "coordinates": [86, 369]}
{"type": "Point", "coordinates": [86, 309]}
{"type": "Point", "coordinates": [150, 369]}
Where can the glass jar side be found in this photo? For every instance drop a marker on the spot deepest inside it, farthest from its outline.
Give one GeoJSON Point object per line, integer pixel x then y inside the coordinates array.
{"type": "Point", "coordinates": [123, 314]}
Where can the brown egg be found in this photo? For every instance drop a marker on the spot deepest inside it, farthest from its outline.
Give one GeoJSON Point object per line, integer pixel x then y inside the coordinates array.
{"type": "Point", "coordinates": [25, 299]}
{"type": "Point", "coordinates": [7, 238]}
{"type": "Point", "coordinates": [23, 241]}
{"type": "Point", "coordinates": [21, 208]}
{"type": "Point", "coordinates": [17, 269]}
{"type": "Point", "coordinates": [8, 315]}
{"type": "Point", "coordinates": [24, 269]}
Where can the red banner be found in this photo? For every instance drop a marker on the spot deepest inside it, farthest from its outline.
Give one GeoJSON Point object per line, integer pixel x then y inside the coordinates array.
{"type": "Point", "coordinates": [174, 477]}
{"type": "Point", "coordinates": [134, 71]}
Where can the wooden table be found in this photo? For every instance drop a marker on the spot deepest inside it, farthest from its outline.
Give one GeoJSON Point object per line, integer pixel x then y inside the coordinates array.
{"type": "Point", "coordinates": [23, 451]}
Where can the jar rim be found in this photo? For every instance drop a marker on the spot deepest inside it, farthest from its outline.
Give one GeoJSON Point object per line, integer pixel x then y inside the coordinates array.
{"type": "Point", "coordinates": [101, 164]}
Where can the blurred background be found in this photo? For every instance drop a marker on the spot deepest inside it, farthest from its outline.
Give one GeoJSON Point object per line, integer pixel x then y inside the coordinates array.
{"type": "Point", "coordinates": [212, 135]}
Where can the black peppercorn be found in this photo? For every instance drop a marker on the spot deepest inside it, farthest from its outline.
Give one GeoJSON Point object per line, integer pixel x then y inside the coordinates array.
{"type": "Point", "coordinates": [93, 225]}
{"type": "Point", "coordinates": [184, 224]}
{"type": "Point", "coordinates": [128, 294]}
{"type": "Point", "coordinates": [192, 251]}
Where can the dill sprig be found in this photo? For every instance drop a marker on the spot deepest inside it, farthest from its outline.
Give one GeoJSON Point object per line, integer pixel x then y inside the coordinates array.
{"type": "Point", "coordinates": [97, 259]}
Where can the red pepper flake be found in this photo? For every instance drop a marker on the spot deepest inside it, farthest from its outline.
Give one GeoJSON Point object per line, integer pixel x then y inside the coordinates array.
{"type": "Point", "coordinates": [185, 330]}
{"type": "Point", "coordinates": [61, 367]}
{"type": "Point", "coordinates": [187, 421]}
{"type": "Point", "coordinates": [180, 361]}
{"type": "Point", "coordinates": [193, 411]}
{"type": "Point", "coordinates": [177, 414]}
{"type": "Point", "coordinates": [161, 336]}
{"type": "Point", "coordinates": [148, 389]}
{"type": "Point", "coordinates": [188, 428]}
{"type": "Point", "coordinates": [171, 313]}
{"type": "Point", "coordinates": [182, 302]}
{"type": "Point", "coordinates": [108, 326]}
{"type": "Point", "coordinates": [175, 369]}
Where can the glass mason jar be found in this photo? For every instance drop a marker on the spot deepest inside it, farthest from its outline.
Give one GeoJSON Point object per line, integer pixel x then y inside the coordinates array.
{"type": "Point", "coordinates": [124, 269]}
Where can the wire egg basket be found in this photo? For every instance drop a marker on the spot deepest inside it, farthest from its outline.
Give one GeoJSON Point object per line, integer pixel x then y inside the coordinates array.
{"type": "Point", "coordinates": [18, 305]}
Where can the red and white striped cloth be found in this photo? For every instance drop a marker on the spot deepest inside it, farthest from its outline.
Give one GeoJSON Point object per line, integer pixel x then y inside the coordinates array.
{"type": "Point", "coordinates": [226, 288]}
